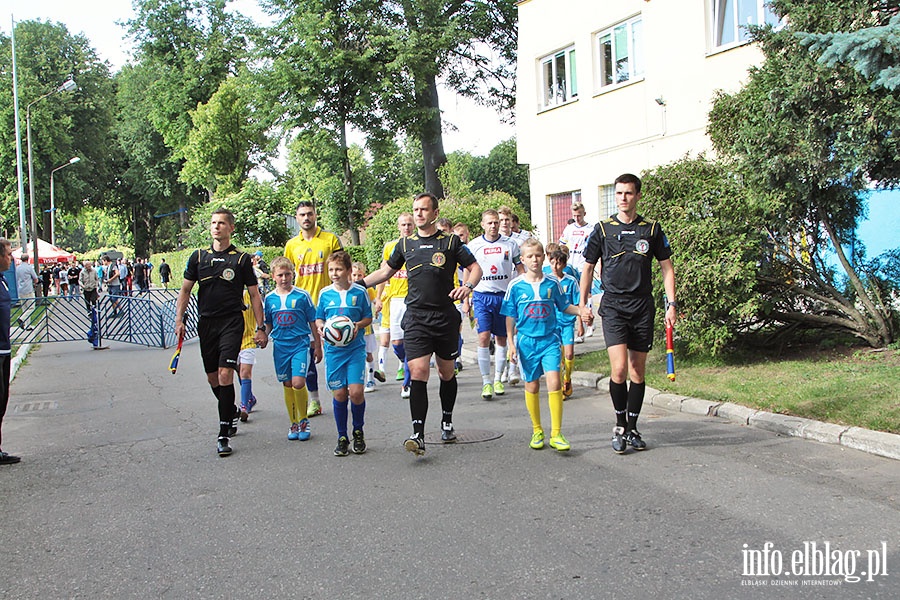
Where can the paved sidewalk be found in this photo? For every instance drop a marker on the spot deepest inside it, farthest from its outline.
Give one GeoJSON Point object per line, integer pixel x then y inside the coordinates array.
{"type": "Point", "coordinates": [857, 438]}
{"type": "Point", "coordinates": [120, 495]}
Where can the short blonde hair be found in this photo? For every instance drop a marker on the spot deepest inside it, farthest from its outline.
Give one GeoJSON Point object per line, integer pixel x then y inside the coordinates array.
{"type": "Point", "coordinates": [531, 242]}
{"type": "Point", "coordinates": [281, 262]}
{"type": "Point", "coordinates": [577, 206]}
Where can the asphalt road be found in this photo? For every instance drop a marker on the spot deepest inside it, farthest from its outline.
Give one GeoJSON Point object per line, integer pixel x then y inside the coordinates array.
{"type": "Point", "coordinates": [120, 495]}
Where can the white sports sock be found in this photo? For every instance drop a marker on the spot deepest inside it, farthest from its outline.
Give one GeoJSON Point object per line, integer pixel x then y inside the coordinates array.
{"type": "Point", "coordinates": [500, 358]}
{"type": "Point", "coordinates": [484, 364]}
{"type": "Point", "coordinates": [382, 354]}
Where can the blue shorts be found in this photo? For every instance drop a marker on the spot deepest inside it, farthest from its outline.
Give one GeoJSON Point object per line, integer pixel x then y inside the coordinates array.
{"type": "Point", "coordinates": [538, 356]}
{"type": "Point", "coordinates": [567, 333]}
{"type": "Point", "coordinates": [345, 368]}
{"type": "Point", "coordinates": [290, 362]}
{"type": "Point", "coordinates": [486, 307]}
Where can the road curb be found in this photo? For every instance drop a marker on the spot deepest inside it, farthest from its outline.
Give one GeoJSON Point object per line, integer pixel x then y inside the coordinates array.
{"type": "Point", "coordinates": [18, 359]}
{"type": "Point", "coordinates": [878, 443]}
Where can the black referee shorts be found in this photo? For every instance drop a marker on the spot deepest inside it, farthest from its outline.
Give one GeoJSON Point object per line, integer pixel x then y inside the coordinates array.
{"type": "Point", "coordinates": [427, 331]}
{"type": "Point", "coordinates": [628, 320]}
{"type": "Point", "coordinates": [220, 341]}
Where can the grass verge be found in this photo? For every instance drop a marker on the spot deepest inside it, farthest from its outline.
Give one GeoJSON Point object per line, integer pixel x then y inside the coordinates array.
{"type": "Point", "coordinates": [846, 386]}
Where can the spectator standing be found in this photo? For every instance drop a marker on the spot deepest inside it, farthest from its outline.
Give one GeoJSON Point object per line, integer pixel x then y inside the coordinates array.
{"type": "Point", "coordinates": [165, 273]}
{"type": "Point", "coordinates": [26, 279]}
{"type": "Point", "coordinates": [5, 346]}
{"type": "Point", "coordinates": [89, 281]}
{"type": "Point", "coordinates": [72, 275]}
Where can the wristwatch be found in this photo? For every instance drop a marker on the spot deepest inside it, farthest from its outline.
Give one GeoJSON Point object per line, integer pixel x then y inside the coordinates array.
{"type": "Point", "coordinates": [673, 304]}
{"type": "Point", "coordinates": [469, 285]}
{"type": "Point", "coordinates": [260, 327]}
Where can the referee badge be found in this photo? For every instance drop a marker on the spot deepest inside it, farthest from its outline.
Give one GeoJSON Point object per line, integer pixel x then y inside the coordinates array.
{"type": "Point", "coordinates": [228, 274]}
{"type": "Point", "coordinates": [642, 246]}
{"type": "Point", "coordinates": [438, 259]}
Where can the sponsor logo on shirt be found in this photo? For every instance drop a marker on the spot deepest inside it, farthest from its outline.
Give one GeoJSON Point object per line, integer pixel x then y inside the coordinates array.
{"type": "Point", "coordinates": [493, 250]}
{"type": "Point", "coordinates": [311, 269]}
{"type": "Point", "coordinates": [537, 311]}
{"type": "Point", "coordinates": [285, 318]}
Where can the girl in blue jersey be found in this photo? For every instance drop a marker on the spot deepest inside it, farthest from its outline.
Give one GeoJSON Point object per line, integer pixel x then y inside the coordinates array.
{"type": "Point", "coordinates": [530, 307]}
{"type": "Point", "coordinates": [290, 320]}
{"type": "Point", "coordinates": [570, 287]}
{"type": "Point", "coordinates": [346, 365]}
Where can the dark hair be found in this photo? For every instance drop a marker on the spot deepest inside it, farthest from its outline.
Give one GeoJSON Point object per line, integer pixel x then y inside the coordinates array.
{"type": "Point", "coordinates": [305, 204]}
{"type": "Point", "coordinates": [434, 200]}
{"type": "Point", "coordinates": [629, 178]}
{"type": "Point", "coordinates": [341, 257]}
{"type": "Point", "coordinates": [229, 216]}
{"type": "Point", "coordinates": [444, 223]}
{"type": "Point", "coordinates": [559, 255]}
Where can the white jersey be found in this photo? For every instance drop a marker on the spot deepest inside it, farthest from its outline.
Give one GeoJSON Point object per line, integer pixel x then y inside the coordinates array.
{"type": "Point", "coordinates": [498, 261]}
{"type": "Point", "coordinates": [521, 236]}
{"type": "Point", "coordinates": [575, 237]}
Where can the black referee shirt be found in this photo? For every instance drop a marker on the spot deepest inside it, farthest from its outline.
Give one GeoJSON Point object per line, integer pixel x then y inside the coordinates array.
{"type": "Point", "coordinates": [625, 253]}
{"type": "Point", "coordinates": [222, 277]}
{"type": "Point", "coordinates": [431, 263]}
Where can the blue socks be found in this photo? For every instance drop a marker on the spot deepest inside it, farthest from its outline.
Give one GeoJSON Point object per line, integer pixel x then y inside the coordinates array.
{"type": "Point", "coordinates": [340, 415]}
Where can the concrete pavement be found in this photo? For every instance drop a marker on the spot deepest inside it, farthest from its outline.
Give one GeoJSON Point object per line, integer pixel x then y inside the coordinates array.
{"type": "Point", "coordinates": [121, 495]}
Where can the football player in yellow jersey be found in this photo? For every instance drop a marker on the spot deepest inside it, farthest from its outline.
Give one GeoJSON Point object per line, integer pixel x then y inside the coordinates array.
{"type": "Point", "coordinates": [392, 301]}
{"type": "Point", "coordinates": [309, 251]}
{"type": "Point", "coordinates": [246, 360]}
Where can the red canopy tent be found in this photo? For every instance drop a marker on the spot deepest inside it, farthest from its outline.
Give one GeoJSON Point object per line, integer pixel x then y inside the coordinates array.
{"type": "Point", "coordinates": [47, 253]}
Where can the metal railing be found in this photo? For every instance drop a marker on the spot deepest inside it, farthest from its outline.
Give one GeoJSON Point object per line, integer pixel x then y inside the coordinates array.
{"type": "Point", "coordinates": [147, 319]}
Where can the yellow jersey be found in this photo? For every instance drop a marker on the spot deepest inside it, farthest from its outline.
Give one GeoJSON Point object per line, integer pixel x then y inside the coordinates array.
{"type": "Point", "coordinates": [310, 258]}
{"type": "Point", "coordinates": [247, 341]}
{"type": "Point", "coordinates": [398, 285]}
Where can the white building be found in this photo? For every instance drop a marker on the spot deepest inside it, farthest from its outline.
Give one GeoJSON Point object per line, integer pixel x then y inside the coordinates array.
{"type": "Point", "coordinates": [607, 87]}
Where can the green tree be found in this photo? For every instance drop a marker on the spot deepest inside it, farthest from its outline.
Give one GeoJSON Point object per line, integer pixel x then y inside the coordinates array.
{"type": "Point", "coordinates": [259, 211]}
{"type": "Point", "coordinates": [500, 171]}
{"type": "Point", "coordinates": [807, 140]}
{"type": "Point", "coordinates": [717, 236]}
{"type": "Point", "coordinates": [64, 125]}
{"type": "Point", "coordinates": [872, 51]}
{"type": "Point", "coordinates": [184, 50]}
{"type": "Point", "coordinates": [326, 72]}
{"type": "Point", "coordinates": [228, 139]}
{"type": "Point", "coordinates": [470, 45]}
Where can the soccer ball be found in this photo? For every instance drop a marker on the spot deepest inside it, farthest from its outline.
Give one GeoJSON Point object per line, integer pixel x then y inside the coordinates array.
{"type": "Point", "coordinates": [339, 331]}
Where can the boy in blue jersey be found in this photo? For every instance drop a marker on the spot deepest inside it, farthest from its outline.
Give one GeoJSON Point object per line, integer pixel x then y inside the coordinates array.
{"type": "Point", "coordinates": [346, 365]}
{"type": "Point", "coordinates": [571, 292]}
{"type": "Point", "coordinates": [530, 307]}
{"type": "Point", "coordinates": [290, 319]}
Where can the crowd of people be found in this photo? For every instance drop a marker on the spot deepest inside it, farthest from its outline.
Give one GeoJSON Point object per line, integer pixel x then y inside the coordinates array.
{"type": "Point", "coordinates": [528, 314]}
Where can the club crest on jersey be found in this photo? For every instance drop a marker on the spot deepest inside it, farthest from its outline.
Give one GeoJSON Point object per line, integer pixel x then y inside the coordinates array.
{"type": "Point", "coordinates": [438, 259]}
{"type": "Point", "coordinates": [642, 246]}
{"type": "Point", "coordinates": [228, 274]}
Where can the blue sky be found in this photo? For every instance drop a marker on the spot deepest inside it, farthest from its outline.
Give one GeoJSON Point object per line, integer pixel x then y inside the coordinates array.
{"type": "Point", "coordinates": [881, 231]}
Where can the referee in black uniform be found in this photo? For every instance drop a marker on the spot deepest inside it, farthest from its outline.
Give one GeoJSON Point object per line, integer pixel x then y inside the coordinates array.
{"type": "Point", "coordinates": [223, 272]}
{"type": "Point", "coordinates": [625, 245]}
{"type": "Point", "coordinates": [431, 323]}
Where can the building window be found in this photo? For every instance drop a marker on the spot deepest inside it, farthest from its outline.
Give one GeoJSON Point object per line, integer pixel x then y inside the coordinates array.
{"type": "Point", "coordinates": [608, 201]}
{"type": "Point", "coordinates": [560, 208]}
{"type": "Point", "coordinates": [732, 17]}
{"type": "Point", "coordinates": [621, 52]}
{"type": "Point", "coordinates": [558, 82]}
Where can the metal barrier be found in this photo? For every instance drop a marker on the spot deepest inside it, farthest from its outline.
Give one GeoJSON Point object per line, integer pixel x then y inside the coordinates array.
{"type": "Point", "coordinates": [147, 319]}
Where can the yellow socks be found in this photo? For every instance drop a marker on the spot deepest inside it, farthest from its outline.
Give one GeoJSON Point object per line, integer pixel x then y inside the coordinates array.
{"type": "Point", "coordinates": [556, 412]}
{"type": "Point", "coordinates": [533, 404]}
{"type": "Point", "coordinates": [301, 403]}
{"type": "Point", "coordinates": [568, 364]}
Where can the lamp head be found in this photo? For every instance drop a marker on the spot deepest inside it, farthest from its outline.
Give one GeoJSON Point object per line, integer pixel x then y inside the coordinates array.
{"type": "Point", "coordinates": [67, 86]}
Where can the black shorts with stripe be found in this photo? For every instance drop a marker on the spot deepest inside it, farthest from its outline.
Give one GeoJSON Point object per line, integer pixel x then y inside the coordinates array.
{"type": "Point", "coordinates": [628, 320]}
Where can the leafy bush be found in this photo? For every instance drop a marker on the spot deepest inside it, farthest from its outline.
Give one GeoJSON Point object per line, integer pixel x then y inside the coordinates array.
{"type": "Point", "coordinates": [718, 246]}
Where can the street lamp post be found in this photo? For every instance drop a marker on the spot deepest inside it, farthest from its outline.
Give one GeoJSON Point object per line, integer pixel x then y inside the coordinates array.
{"type": "Point", "coordinates": [67, 86]}
{"type": "Point", "coordinates": [72, 161]}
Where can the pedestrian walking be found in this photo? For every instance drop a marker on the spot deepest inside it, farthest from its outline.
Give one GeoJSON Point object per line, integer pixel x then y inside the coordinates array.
{"type": "Point", "coordinates": [624, 246]}
{"type": "Point", "coordinates": [223, 272]}
{"type": "Point", "coordinates": [431, 323]}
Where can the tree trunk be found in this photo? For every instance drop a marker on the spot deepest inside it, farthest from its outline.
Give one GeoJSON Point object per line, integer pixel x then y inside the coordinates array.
{"type": "Point", "coordinates": [430, 135]}
{"type": "Point", "coordinates": [349, 186]}
{"type": "Point", "coordinates": [878, 318]}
